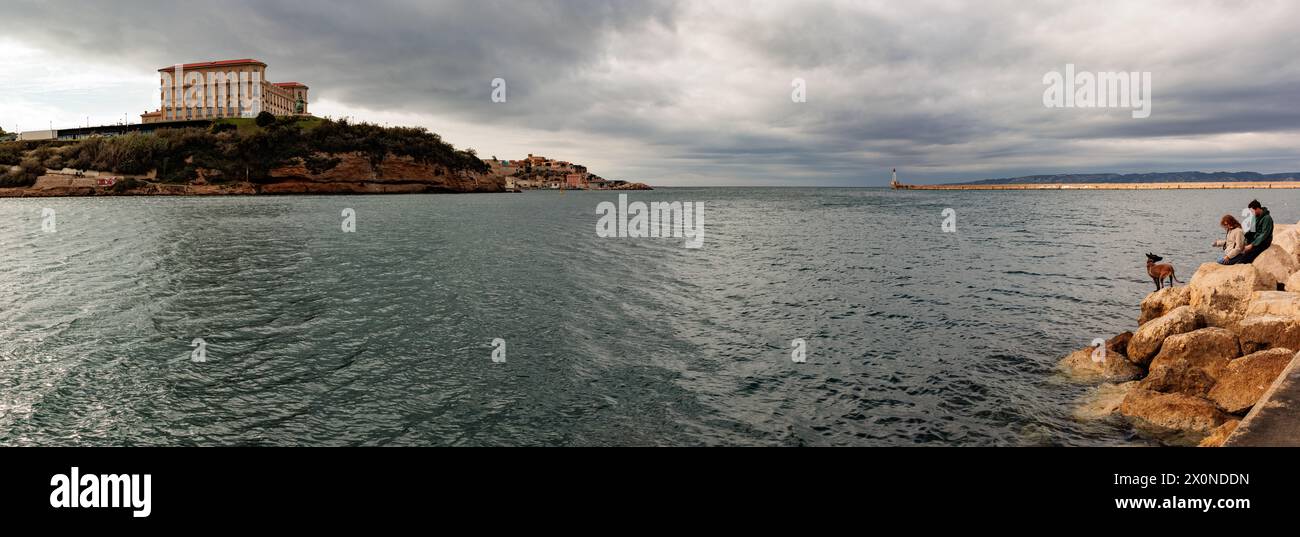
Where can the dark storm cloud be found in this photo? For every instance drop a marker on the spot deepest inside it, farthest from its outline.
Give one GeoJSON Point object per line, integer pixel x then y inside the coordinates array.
{"type": "Point", "coordinates": [950, 90]}
{"type": "Point", "coordinates": [381, 53]}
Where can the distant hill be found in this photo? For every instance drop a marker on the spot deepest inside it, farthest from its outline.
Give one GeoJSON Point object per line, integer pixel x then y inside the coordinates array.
{"type": "Point", "coordinates": [1166, 177]}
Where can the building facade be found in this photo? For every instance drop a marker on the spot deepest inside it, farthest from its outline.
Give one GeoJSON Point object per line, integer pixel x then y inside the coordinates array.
{"type": "Point", "coordinates": [224, 89]}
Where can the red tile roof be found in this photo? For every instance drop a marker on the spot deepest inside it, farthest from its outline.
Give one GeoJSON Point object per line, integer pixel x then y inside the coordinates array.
{"type": "Point", "coordinates": [291, 85]}
{"type": "Point", "coordinates": [222, 63]}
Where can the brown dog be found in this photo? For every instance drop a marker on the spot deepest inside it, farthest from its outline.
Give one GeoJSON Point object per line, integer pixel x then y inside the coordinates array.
{"type": "Point", "coordinates": [1159, 272]}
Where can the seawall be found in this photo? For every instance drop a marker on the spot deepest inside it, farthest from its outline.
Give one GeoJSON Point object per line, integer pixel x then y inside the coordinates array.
{"type": "Point", "coordinates": [1109, 186]}
{"type": "Point", "coordinates": [1275, 420]}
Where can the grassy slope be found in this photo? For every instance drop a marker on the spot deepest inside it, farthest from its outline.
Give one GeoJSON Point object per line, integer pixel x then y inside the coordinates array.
{"type": "Point", "coordinates": [249, 125]}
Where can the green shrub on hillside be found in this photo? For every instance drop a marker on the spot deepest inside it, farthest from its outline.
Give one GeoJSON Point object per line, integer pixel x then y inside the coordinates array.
{"type": "Point", "coordinates": [220, 127]}
{"type": "Point", "coordinates": [29, 168]}
{"type": "Point", "coordinates": [11, 153]}
{"type": "Point", "coordinates": [9, 180]}
{"type": "Point", "coordinates": [176, 154]}
{"type": "Point", "coordinates": [376, 142]}
{"type": "Point", "coordinates": [134, 154]}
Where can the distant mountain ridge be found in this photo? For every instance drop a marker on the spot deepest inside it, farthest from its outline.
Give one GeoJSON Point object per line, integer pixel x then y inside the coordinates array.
{"type": "Point", "coordinates": [1164, 177]}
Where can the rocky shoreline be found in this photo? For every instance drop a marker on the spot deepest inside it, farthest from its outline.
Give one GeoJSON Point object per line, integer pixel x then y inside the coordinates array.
{"type": "Point", "coordinates": [1203, 354]}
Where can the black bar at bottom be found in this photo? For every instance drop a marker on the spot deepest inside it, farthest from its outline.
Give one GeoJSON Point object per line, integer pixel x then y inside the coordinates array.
{"type": "Point", "coordinates": [321, 487]}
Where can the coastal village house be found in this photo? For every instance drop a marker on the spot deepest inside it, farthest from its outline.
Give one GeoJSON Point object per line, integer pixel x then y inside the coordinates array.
{"type": "Point", "coordinates": [224, 89]}
{"type": "Point", "coordinates": [504, 167]}
{"type": "Point", "coordinates": [538, 172]}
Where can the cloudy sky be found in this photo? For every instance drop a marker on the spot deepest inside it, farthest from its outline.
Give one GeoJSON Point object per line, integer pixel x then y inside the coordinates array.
{"type": "Point", "coordinates": [699, 92]}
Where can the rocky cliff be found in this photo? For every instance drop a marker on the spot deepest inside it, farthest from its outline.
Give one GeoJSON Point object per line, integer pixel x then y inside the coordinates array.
{"type": "Point", "coordinates": [353, 174]}
{"type": "Point", "coordinates": [1203, 354]}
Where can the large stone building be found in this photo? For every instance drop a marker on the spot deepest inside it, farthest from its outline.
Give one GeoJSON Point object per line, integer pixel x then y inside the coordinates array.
{"type": "Point", "coordinates": [220, 89]}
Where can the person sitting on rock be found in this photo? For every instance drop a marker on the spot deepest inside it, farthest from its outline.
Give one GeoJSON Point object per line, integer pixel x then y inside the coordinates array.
{"type": "Point", "coordinates": [1260, 239]}
{"type": "Point", "coordinates": [1234, 242]}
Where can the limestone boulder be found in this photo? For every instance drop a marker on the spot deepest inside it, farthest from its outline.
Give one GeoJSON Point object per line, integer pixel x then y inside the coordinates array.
{"type": "Point", "coordinates": [1292, 283]}
{"type": "Point", "coordinates": [1220, 434]}
{"type": "Point", "coordinates": [1219, 292]}
{"type": "Point", "coordinates": [1080, 364]}
{"type": "Point", "coordinates": [1146, 342]}
{"type": "Point", "coordinates": [1159, 303]}
{"type": "Point", "coordinates": [1175, 418]}
{"type": "Point", "coordinates": [1191, 363]}
{"type": "Point", "coordinates": [1111, 365]}
{"type": "Point", "coordinates": [1262, 332]}
{"type": "Point", "coordinates": [1119, 344]}
{"type": "Point", "coordinates": [1275, 266]}
{"type": "Point", "coordinates": [1287, 236]}
{"type": "Point", "coordinates": [1280, 303]}
{"type": "Point", "coordinates": [1245, 379]}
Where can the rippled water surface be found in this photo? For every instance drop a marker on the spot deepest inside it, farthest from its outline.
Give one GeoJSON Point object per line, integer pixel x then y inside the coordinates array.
{"type": "Point", "coordinates": [383, 337]}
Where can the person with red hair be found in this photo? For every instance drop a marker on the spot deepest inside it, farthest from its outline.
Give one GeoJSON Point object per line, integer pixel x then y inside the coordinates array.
{"type": "Point", "coordinates": [1233, 243]}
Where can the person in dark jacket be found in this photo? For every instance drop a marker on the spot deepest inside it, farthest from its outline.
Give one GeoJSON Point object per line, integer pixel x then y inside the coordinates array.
{"type": "Point", "coordinates": [1260, 239]}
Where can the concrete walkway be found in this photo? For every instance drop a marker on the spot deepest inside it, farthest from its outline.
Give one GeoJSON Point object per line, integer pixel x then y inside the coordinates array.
{"type": "Point", "coordinates": [1275, 419]}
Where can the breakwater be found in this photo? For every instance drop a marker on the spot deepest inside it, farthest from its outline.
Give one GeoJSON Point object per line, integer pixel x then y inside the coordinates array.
{"type": "Point", "coordinates": [1110, 186]}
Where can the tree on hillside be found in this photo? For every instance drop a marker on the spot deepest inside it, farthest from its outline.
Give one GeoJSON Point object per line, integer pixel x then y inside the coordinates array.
{"type": "Point", "coordinates": [265, 119]}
